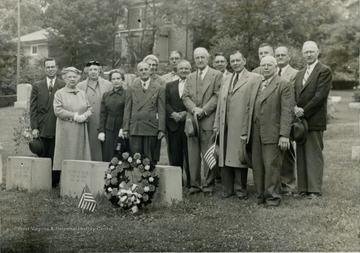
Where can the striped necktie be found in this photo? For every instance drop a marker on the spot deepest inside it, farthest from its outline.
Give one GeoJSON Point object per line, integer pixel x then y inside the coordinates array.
{"type": "Point", "coordinates": [51, 86]}
{"type": "Point", "coordinates": [306, 76]}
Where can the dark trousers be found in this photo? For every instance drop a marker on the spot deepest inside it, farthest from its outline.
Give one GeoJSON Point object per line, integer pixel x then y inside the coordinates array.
{"type": "Point", "coordinates": [148, 145]}
{"type": "Point", "coordinates": [310, 163]}
{"type": "Point", "coordinates": [288, 170]}
{"type": "Point", "coordinates": [234, 179]}
{"type": "Point", "coordinates": [49, 147]}
{"type": "Point", "coordinates": [178, 151]}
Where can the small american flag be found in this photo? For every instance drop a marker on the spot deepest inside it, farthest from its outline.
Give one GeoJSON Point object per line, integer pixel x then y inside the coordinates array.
{"type": "Point", "coordinates": [87, 200]}
{"type": "Point", "coordinates": [209, 156]}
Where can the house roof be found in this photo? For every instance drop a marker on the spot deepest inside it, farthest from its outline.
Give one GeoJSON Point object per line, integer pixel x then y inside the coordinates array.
{"type": "Point", "coordinates": [35, 36]}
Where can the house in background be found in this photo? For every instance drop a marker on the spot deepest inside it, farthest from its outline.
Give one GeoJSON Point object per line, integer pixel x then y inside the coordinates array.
{"type": "Point", "coordinates": [34, 45]}
{"type": "Point", "coordinates": [138, 37]}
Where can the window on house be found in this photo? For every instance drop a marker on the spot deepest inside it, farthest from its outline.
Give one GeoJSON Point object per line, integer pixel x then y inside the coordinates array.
{"type": "Point", "coordinates": [34, 50]}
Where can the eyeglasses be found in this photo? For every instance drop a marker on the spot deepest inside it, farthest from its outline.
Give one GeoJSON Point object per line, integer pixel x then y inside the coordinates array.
{"type": "Point", "coordinates": [174, 58]}
{"type": "Point", "coordinates": [96, 63]}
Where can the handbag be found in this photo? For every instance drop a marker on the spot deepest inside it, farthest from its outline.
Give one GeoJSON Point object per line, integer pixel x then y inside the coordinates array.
{"type": "Point", "coordinates": [211, 156]}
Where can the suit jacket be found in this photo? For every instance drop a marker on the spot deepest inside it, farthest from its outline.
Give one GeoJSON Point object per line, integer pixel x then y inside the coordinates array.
{"type": "Point", "coordinates": [230, 116]}
{"type": "Point", "coordinates": [144, 113]}
{"type": "Point", "coordinates": [276, 110]}
{"type": "Point", "coordinates": [289, 74]}
{"type": "Point", "coordinates": [312, 97]}
{"type": "Point", "coordinates": [209, 94]}
{"type": "Point", "coordinates": [173, 104]}
{"type": "Point", "coordinates": [42, 115]}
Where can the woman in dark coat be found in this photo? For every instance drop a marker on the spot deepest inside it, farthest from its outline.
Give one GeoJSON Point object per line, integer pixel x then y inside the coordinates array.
{"type": "Point", "coordinates": [111, 115]}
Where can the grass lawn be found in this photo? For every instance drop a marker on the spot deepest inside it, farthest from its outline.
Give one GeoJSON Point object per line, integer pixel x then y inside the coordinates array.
{"type": "Point", "coordinates": [42, 221]}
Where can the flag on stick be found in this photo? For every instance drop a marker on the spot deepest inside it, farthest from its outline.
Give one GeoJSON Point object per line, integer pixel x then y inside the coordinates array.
{"type": "Point", "coordinates": [87, 200]}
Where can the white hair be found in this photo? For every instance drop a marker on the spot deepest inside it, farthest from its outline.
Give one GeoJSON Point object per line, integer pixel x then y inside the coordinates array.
{"type": "Point", "coordinates": [310, 44]}
{"type": "Point", "coordinates": [270, 58]}
{"type": "Point", "coordinates": [201, 50]}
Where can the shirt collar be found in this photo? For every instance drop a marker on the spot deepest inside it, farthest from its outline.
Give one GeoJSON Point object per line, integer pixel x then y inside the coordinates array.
{"type": "Point", "coordinates": [283, 69]}
{"type": "Point", "coordinates": [312, 65]}
{"type": "Point", "coordinates": [204, 71]}
{"type": "Point", "coordinates": [48, 80]}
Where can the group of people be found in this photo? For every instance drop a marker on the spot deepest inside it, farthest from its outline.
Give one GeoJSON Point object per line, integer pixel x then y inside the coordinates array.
{"type": "Point", "coordinates": [248, 114]}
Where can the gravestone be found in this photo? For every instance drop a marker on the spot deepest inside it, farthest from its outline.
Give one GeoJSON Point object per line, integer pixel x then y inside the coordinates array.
{"type": "Point", "coordinates": [355, 153]}
{"type": "Point", "coordinates": [23, 92]}
{"type": "Point", "coordinates": [354, 105]}
{"type": "Point", "coordinates": [170, 185]}
{"type": "Point", "coordinates": [75, 174]}
{"type": "Point", "coordinates": [29, 173]}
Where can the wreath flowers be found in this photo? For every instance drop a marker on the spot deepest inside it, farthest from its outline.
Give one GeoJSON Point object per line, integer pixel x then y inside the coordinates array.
{"type": "Point", "coordinates": [130, 182]}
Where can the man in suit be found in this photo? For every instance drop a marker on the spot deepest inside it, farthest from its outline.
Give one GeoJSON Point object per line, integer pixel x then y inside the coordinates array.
{"type": "Point", "coordinates": [175, 120]}
{"type": "Point", "coordinates": [94, 86]}
{"type": "Point", "coordinates": [174, 59]}
{"type": "Point", "coordinates": [220, 63]}
{"type": "Point", "coordinates": [229, 120]}
{"type": "Point", "coordinates": [42, 117]}
{"type": "Point", "coordinates": [312, 87]}
{"type": "Point", "coordinates": [144, 114]}
{"type": "Point", "coordinates": [200, 99]}
{"type": "Point", "coordinates": [153, 62]}
{"type": "Point", "coordinates": [284, 70]}
{"type": "Point", "coordinates": [264, 50]}
{"type": "Point", "coordinates": [270, 114]}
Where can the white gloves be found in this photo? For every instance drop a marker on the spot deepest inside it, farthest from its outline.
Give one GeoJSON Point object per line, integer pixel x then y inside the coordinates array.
{"type": "Point", "coordinates": [121, 134]}
{"type": "Point", "coordinates": [79, 118]}
{"type": "Point", "coordinates": [101, 136]}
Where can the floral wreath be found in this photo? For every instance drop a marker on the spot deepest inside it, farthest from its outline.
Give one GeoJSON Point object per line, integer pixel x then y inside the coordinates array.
{"type": "Point", "coordinates": [137, 192]}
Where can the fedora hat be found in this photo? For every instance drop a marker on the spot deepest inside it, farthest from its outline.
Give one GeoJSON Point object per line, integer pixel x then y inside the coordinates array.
{"type": "Point", "coordinates": [36, 146]}
{"type": "Point", "coordinates": [299, 130]}
{"type": "Point", "coordinates": [191, 126]}
{"type": "Point", "coordinates": [245, 154]}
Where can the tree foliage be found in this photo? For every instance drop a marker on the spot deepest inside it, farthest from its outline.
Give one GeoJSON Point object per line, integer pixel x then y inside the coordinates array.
{"type": "Point", "coordinates": [83, 30]}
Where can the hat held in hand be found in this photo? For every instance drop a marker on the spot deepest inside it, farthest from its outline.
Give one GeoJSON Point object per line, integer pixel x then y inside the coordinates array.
{"type": "Point", "coordinates": [37, 147]}
{"type": "Point", "coordinates": [299, 130]}
{"type": "Point", "coordinates": [191, 126]}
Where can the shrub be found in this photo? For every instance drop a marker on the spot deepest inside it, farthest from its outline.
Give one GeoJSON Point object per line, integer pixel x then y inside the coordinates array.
{"type": "Point", "coordinates": [7, 100]}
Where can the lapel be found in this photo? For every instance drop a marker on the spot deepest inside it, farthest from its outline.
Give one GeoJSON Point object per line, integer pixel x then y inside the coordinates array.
{"type": "Point", "coordinates": [312, 75]}
{"type": "Point", "coordinates": [286, 73]}
{"type": "Point", "coordinates": [175, 90]}
{"type": "Point", "coordinates": [207, 80]}
{"type": "Point", "coordinates": [144, 97]}
{"type": "Point", "coordinates": [243, 79]}
{"type": "Point", "coordinates": [270, 88]}
{"type": "Point", "coordinates": [44, 90]}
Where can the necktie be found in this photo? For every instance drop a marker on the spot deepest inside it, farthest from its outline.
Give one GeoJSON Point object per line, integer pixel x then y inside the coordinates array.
{"type": "Point", "coordinates": [144, 86]}
{"type": "Point", "coordinates": [280, 71]}
{"type": "Point", "coordinates": [51, 86]}
{"type": "Point", "coordinates": [235, 81]}
{"type": "Point", "coordinates": [306, 76]}
{"type": "Point", "coordinates": [264, 85]}
{"type": "Point", "coordinates": [200, 75]}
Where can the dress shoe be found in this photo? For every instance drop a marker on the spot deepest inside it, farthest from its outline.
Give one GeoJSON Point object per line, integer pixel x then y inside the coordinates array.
{"type": "Point", "coordinates": [287, 193]}
{"type": "Point", "coordinates": [226, 195]}
{"type": "Point", "coordinates": [193, 191]}
{"type": "Point", "coordinates": [208, 194]}
{"type": "Point", "coordinates": [302, 194]}
{"type": "Point", "coordinates": [313, 195]}
{"type": "Point", "coordinates": [242, 195]}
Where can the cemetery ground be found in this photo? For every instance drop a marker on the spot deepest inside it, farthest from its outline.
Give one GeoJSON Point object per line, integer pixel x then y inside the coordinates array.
{"type": "Point", "coordinates": [42, 221]}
